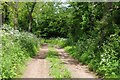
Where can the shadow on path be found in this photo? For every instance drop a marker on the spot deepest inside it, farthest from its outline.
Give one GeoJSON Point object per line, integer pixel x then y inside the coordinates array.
{"type": "Point", "coordinates": [42, 53]}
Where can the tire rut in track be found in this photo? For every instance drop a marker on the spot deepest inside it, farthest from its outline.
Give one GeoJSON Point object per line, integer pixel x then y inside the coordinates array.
{"type": "Point", "coordinates": [76, 69]}
{"type": "Point", "coordinates": [38, 67]}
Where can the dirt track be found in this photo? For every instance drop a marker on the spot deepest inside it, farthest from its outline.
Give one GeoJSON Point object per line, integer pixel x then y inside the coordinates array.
{"type": "Point", "coordinates": [77, 70]}
{"type": "Point", "coordinates": [38, 67]}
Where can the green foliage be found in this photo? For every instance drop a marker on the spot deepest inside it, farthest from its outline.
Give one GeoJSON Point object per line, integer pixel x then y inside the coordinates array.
{"type": "Point", "coordinates": [71, 50]}
{"type": "Point", "coordinates": [104, 60]}
{"type": "Point", "coordinates": [95, 36]}
{"type": "Point", "coordinates": [92, 29]}
{"type": "Point", "coordinates": [57, 68]}
{"type": "Point", "coordinates": [92, 65]}
{"type": "Point", "coordinates": [61, 42]}
{"type": "Point", "coordinates": [109, 64]}
{"type": "Point", "coordinates": [84, 57]}
{"type": "Point", "coordinates": [29, 42]}
{"type": "Point", "coordinates": [17, 47]}
{"type": "Point", "coordinates": [46, 19]}
{"type": "Point", "coordinates": [52, 53]}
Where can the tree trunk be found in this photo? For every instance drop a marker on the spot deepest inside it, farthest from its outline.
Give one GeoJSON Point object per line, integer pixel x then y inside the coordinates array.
{"type": "Point", "coordinates": [108, 7]}
{"type": "Point", "coordinates": [16, 15]}
{"type": "Point", "coordinates": [5, 13]}
{"type": "Point", "coordinates": [30, 16]}
{"type": "Point", "coordinates": [0, 16]}
{"type": "Point", "coordinates": [30, 23]}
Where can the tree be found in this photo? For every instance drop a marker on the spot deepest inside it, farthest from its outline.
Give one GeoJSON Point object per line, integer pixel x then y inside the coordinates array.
{"type": "Point", "coordinates": [30, 7]}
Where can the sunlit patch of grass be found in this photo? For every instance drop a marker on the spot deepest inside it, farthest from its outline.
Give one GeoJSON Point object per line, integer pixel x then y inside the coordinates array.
{"type": "Point", "coordinates": [55, 41]}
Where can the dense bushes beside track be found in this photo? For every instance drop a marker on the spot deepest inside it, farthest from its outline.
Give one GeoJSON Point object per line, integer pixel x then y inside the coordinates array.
{"type": "Point", "coordinates": [105, 61]}
{"type": "Point", "coordinates": [17, 47]}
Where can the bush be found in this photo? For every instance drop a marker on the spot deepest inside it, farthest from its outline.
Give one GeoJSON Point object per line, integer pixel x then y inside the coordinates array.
{"type": "Point", "coordinates": [104, 60]}
{"type": "Point", "coordinates": [110, 61]}
{"type": "Point", "coordinates": [17, 47]}
{"type": "Point", "coordinates": [71, 50]}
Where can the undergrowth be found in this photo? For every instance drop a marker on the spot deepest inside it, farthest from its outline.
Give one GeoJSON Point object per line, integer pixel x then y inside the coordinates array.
{"type": "Point", "coordinates": [17, 48]}
{"type": "Point", "coordinates": [104, 61]}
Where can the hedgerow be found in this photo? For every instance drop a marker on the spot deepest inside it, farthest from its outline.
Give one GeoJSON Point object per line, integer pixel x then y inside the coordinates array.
{"type": "Point", "coordinates": [17, 47]}
{"type": "Point", "coordinates": [105, 61]}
